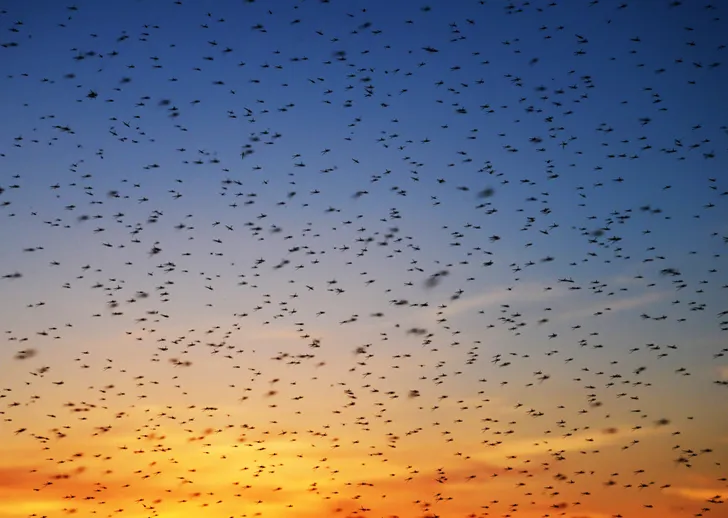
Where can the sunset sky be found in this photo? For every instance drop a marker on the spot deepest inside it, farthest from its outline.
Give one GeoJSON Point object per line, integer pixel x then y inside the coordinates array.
{"type": "Point", "coordinates": [313, 258]}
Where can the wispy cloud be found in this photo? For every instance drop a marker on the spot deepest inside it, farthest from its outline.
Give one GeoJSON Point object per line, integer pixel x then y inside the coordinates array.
{"type": "Point", "coordinates": [699, 493]}
{"type": "Point", "coordinates": [531, 292]}
{"type": "Point", "coordinates": [614, 306]}
{"type": "Point", "coordinates": [577, 441]}
{"type": "Point", "coordinates": [723, 372]}
{"type": "Point", "coordinates": [16, 477]}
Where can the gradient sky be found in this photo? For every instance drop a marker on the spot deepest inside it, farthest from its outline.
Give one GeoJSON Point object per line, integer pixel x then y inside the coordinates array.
{"type": "Point", "coordinates": [363, 259]}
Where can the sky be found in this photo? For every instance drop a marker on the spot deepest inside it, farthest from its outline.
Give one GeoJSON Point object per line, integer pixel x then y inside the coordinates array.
{"type": "Point", "coordinates": [363, 259]}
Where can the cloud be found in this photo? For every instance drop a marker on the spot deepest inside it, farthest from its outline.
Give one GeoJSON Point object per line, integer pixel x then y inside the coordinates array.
{"type": "Point", "coordinates": [12, 507]}
{"type": "Point", "coordinates": [530, 292]}
{"type": "Point", "coordinates": [614, 307]}
{"type": "Point", "coordinates": [17, 477]}
{"type": "Point", "coordinates": [723, 372]}
{"type": "Point", "coordinates": [577, 441]}
{"type": "Point", "coordinates": [700, 494]}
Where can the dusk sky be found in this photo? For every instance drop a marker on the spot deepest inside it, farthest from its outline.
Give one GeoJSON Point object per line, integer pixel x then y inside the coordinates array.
{"type": "Point", "coordinates": [344, 258]}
